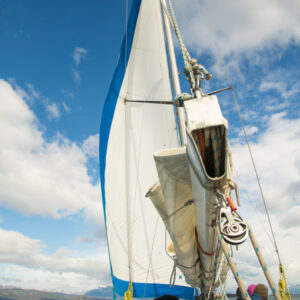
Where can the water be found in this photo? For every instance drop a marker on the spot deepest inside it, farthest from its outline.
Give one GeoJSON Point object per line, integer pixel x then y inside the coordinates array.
{"type": "Point", "coordinates": [271, 297]}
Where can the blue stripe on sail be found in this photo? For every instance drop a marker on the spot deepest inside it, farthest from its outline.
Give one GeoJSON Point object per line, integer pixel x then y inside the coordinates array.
{"type": "Point", "coordinates": [113, 94]}
{"type": "Point", "coordinates": [111, 100]}
{"type": "Point", "coordinates": [150, 290]}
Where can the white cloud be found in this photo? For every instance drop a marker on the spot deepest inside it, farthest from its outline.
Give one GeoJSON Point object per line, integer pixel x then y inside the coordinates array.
{"type": "Point", "coordinates": [249, 130]}
{"type": "Point", "coordinates": [66, 107]}
{"type": "Point", "coordinates": [232, 32]}
{"type": "Point", "coordinates": [84, 240]}
{"type": "Point", "coordinates": [37, 176]}
{"type": "Point", "coordinates": [271, 86]}
{"type": "Point", "coordinates": [275, 105]}
{"type": "Point", "coordinates": [41, 279]}
{"type": "Point", "coordinates": [32, 91]}
{"type": "Point", "coordinates": [291, 218]}
{"type": "Point", "coordinates": [238, 26]}
{"type": "Point", "coordinates": [22, 260]}
{"type": "Point", "coordinates": [276, 92]}
{"type": "Point", "coordinates": [78, 55]}
{"type": "Point", "coordinates": [23, 264]}
{"type": "Point", "coordinates": [277, 155]}
{"type": "Point", "coordinates": [29, 95]}
{"type": "Point", "coordinates": [91, 146]}
{"type": "Point", "coordinates": [285, 91]}
{"type": "Point", "coordinates": [53, 111]}
{"type": "Point", "coordinates": [68, 94]}
{"type": "Point", "coordinates": [76, 76]}
{"type": "Point", "coordinates": [18, 89]}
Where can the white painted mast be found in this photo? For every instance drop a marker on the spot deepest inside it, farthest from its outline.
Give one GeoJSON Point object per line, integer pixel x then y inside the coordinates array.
{"type": "Point", "coordinates": [174, 74]}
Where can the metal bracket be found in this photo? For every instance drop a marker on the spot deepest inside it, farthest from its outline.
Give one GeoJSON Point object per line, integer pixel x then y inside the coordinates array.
{"type": "Point", "coordinates": [219, 91]}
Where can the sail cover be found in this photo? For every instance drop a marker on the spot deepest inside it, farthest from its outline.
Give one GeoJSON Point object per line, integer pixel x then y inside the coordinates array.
{"type": "Point", "coordinates": [130, 133]}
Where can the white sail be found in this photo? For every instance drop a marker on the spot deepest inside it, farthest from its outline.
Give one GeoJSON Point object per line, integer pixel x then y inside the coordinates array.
{"type": "Point", "coordinates": [130, 133]}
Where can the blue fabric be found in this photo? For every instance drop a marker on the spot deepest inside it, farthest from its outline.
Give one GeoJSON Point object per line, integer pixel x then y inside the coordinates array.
{"type": "Point", "coordinates": [150, 290]}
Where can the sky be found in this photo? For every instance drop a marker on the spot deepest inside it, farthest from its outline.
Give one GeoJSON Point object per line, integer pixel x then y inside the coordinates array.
{"type": "Point", "coordinates": [56, 63]}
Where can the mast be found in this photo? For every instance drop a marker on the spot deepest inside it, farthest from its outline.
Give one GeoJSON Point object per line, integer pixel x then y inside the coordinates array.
{"type": "Point", "coordinates": [174, 74]}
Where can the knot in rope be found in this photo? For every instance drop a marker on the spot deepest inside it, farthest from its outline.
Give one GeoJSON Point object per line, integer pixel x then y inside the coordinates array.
{"type": "Point", "coordinates": [189, 62]}
{"type": "Point", "coordinates": [283, 286]}
{"type": "Point", "coordinates": [129, 293]}
{"type": "Point", "coordinates": [187, 69]}
{"type": "Point", "coordinates": [193, 61]}
{"type": "Point", "coordinates": [180, 98]}
{"type": "Point", "coordinates": [197, 69]}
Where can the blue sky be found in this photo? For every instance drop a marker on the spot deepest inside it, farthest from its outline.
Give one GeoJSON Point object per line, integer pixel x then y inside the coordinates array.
{"type": "Point", "coordinates": [57, 60]}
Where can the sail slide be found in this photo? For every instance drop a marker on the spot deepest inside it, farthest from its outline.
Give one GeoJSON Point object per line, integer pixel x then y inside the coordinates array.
{"type": "Point", "coordinates": [131, 131]}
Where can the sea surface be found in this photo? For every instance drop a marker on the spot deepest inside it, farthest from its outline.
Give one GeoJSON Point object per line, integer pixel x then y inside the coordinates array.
{"type": "Point", "coordinates": [294, 297]}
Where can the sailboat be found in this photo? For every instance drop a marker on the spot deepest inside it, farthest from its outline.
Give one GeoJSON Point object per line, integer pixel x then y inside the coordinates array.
{"type": "Point", "coordinates": [165, 167]}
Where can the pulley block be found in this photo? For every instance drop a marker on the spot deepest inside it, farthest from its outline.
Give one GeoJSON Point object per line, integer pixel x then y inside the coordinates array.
{"type": "Point", "coordinates": [232, 226]}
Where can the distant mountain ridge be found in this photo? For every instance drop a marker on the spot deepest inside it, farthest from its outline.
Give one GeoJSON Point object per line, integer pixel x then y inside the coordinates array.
{"type": "Point", "coordinates": [13, 293]}
{"type": "Point", "coordinates": [106, 292]}
{"type": "Point", "coordinates": [295, 289]}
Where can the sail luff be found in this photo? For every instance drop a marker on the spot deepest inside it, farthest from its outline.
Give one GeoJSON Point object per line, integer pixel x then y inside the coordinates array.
{"type": "Point", "coordinates": [110, 104]}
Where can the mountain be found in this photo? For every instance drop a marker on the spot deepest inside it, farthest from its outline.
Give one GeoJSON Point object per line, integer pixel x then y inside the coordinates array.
{"type": "Point", "coordinates": [23, 294]}
{"type": "Point", "coordinates": [105, 292]}
{"type": "Point", "coordinates": [295, 289]}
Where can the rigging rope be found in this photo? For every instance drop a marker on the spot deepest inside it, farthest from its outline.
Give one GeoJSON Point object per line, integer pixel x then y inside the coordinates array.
{"type": "Point", "coordinates": [283, 286]}
{"type": "Point", "coordinates": [191, 66]}
{"type": "Point", "coordinates": [256, 173]}
{"type": "Point", "coordinates": [128, 293]}
{"type": "Point", "coordinates": [252, 204]}
{"type": "Point", "coordinates": [150, 255]}
{"type": "Point", "coordinates": [185, 54]}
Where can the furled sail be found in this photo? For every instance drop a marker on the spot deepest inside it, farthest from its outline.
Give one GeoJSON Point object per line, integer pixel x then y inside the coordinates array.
{"type": "Point", "coordinates": [131, 131]}
{"type": "Point", "coordinates": [186, 197]}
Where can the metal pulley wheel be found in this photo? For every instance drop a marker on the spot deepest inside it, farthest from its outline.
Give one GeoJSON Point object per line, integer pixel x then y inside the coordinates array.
{"type": "Point", "coordinates": [232, 227]}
